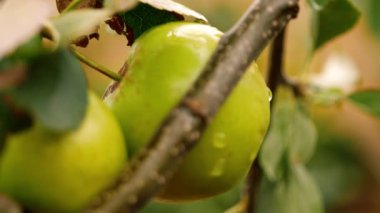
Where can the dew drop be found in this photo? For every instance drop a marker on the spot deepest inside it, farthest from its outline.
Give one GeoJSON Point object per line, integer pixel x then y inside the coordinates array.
{"type": "Point", "coordinates": [219, 168]}
{"type": "Point", "coordinates": [270, 95]}
{"type": "Point", "coordinates": [219, 140]}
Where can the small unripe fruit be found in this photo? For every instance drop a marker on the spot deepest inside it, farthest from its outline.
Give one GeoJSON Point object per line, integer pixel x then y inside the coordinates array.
{"type": "Point", "coordinates": [162, 67]}
{"type": "Point", "coordinates": [63, 172]}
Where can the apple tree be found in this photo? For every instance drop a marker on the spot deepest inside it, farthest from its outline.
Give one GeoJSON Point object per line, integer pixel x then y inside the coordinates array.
{"type": "Point", "coordinates": [186, 117]}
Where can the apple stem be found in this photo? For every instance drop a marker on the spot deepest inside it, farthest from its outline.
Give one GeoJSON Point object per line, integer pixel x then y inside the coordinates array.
{"type": "Point", "coordinates": [73, 4]}
{"type": "Point", "coordinates": [183, 127]}
{"type": "Point", "coordinates": [103, 70]}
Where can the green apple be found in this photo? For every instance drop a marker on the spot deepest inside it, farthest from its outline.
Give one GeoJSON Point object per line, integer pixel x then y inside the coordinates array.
{"type": "Point", "coordinates": [163, 65]}
{"type": "Point", "coordinates": [62, 172]}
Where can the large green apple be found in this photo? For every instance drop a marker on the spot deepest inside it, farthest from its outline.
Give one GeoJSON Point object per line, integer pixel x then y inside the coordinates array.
{"type": "Point", "coordinates": [50, 172]}
{"type": "Point", "coordinates": [163, 65]}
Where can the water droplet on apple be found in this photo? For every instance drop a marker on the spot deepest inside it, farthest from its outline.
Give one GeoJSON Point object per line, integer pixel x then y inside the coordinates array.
{"type": "Point", "coordinates": [219, 140]}
{"type": "Point", "coordinates": [270, 95]}
{"type": "Point", "coordinates": [219, 168]}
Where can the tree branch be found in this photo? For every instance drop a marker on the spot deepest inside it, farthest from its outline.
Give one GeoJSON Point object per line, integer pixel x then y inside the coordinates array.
{"type": "Point", "coordinates": [275, 78]}
{"type": "Point", "coordinates": [276, 70]}
{"type": "Point", "coordinates": [185, 124]}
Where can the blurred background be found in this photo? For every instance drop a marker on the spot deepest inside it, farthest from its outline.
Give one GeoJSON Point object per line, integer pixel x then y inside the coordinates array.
{"type": "Point", "coordinates": [346, 164]}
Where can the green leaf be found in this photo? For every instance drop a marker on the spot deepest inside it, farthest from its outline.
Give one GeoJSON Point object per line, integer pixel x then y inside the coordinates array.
{"type": "Point", "coordinates": [72, 25]}
{"type": "Point", "coordinates": [30, 49]}
{"type": "Point", "coordinates": [304, 191]}
{"type": "Point", "coordinates": [27, 51]}
{"type": "Point", "coordinates": [143, 17]}
{"type": "Point", "coordinates": [368, 101]}
{"type": "Point", "coordinates": [335, 18]}
{"type": "Point", "coordinates": [272, 155]}
{"type": "Point", "coordinates": [4, 121]}
{"type": "Point", "coordinates": [336, 168]}
{"type": "Point", "coordinates": [5, 65]}
{"type": "Point", "coordinates": [303, 137]}
{"type": "Point", "coordinates": [12, 119]}
{"type": "Point", "coordinates": [374, 16]}
{"type": "Point", "coordinates": [297, 193]}
{"type": "Point", "coordinates": [13, 67]}
{"type": "Point", "coordinates": [292, 136]}
{"type": "Point", "coordinates": [55, 91]}
{"type": "Point", "coordinates": [318, 3]}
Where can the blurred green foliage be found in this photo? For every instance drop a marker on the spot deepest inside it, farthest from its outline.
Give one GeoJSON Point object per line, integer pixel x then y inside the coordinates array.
{"type": "Point", "coordinates": [369, 101]}
{"type": "Point", "coordinates": [214, 205]}
{"type": "Point", "coordinates": [336, 168]}
{"type": "Point", "coordinates": [331, 19]}
{"type": "Point", "coordinates": [222, 17]}
{"type": "Point", "coordinates": [374, 16]}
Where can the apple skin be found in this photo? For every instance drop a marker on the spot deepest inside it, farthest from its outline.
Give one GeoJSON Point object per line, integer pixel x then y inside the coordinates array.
{"type": "Point", "coordinates": [63, 172]}
{"type": "Point", "coordinates": [163, 65]}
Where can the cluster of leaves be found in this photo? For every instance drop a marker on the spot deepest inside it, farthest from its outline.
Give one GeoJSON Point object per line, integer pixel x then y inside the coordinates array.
{"type": "Point", "coordinates": [52, 87]}
{"type": "Point", "coordinates": [45, 83]}
{"type": "Point", "coordinates": [42, 81]}
{"type": "Point", "coordinates": [332, 18]}
{"type": "Point", "coordinates": [336, 168]}
{"type": "Point", "coordinates": [287, 185]}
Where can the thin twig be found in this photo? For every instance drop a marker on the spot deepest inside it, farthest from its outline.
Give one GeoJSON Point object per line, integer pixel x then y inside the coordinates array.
{"type": "Point", "coordinates": [185, 124]}
{"type": "Point", "coordinates": [275, 78]}
{"type": "Point", "coordinates": [103, 70]}
{"type": "Point", "coordinates": [252, 187]}
{"type": "Point", "coordinates": [276, 68]}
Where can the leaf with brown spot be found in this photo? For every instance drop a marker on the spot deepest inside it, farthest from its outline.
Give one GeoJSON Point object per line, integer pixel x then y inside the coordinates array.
{"type": "Point", "coordinates": [171, 6]}
{"type": "Point", "coordinates": [148, 14]}
{"type": "Point", "coordinates": [79, 26]}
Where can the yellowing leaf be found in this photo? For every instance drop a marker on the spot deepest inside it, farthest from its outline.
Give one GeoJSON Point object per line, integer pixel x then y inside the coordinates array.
{"type": "Point", "coordinates": [20, 20]}
{"type": "Point", "coordinates": [77, 23]}
{"type": "Point", "coordinates": [120, 5]}
{"type": "Point", "coordinates": [171, 6]}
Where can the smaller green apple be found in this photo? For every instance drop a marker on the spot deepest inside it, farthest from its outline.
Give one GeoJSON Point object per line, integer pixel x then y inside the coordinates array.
{"type": "Point", "coordinates": [52, 172]}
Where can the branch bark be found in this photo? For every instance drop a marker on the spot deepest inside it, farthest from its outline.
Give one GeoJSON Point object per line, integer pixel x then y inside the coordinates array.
{"type": "Point", "coordinates": [276, 70]}
{"type": "Point", "coordinates": [185, 124]}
